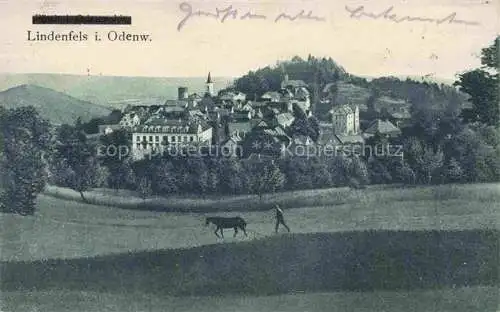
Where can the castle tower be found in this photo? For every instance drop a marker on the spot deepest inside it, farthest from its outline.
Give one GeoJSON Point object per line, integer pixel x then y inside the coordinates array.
{"type": "Point", "coordinates": [210, 85]}
{"type": "Point", "coordinates": [182, 93]}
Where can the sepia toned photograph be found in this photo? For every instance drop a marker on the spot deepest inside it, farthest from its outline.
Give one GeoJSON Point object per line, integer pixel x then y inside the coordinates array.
{"type": "Point", "coordinates": [249, 156]}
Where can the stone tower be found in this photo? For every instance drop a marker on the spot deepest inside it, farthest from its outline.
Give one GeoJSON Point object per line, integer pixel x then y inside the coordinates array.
{"type": "Point", "coordinates": [356, 120]}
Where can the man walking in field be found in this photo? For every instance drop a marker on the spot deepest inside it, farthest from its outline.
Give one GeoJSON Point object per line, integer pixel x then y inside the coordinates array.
{"type": "Point", "coordinates": [280, 219]}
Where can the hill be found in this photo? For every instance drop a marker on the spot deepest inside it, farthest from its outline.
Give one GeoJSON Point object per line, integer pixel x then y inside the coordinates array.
{"type": "Point", "coordinates": [54, 106]}
{"type": "Point", "coordinates": [313, 262]}
{"type": "Point", "coordinates": [329, 81]}
{"type": "Point", "coordinates": [113, 91]}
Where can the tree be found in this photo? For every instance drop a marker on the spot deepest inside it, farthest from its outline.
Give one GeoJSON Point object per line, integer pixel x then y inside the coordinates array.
{"type": "Point", "coordinates": [478, 159]}
{"type": "Point", "coordinates": [379, 174]}
{"type": "Point", "coordinates": [265, 178]}
{"type": "Point", "coordinates": [86, 173]}
{"type": "Point", "coordinates": [298, 173]}
{"type": "Point", "coordinates": [430, 161]}
{"type": "Point", "coordinates": [482, 86]}
{"type": "Point", "coordinates": [333, 92]}
{"type": "Point", "coordinates": [320, 175]}
{"type": "Point", "coordinates": [273, 178]}
{"type": "Point", "coordinates": [81, 157]}
{"type": "Point", "coordinates": [144, 188]}
{"type": "Point", "coordinates": [305, 126]}
{"type": "Point", "coordinates": [406, 174]}
{"type": "Point", "coordinates": [339, 170]}
{"type": "Point", "coordinates": [121, 175]}
{"type": "Point", "coordinates": [372, 100]}
{"type": "Point", "coordinates": [454, 172]}
{"type": "Point", "coordinates": [25, 136]}
{"type": "Point", "coordinates": [165, 178]}
{"type": "Point", "coordinates": [358, 172]}
{"type": "Point", "coordinates": [230, 176]}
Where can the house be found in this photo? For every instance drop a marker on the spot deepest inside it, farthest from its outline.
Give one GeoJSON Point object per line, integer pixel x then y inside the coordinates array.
{"type": "Point", "coordinates": [286, 94]}
{"type": "Point", "coordinates": [258, 114]}
{"type": "Point", "coordinates": [384, 127]}
{"type": "Point", "coordinates": [302, 140]}
{"type": "Point", "coordinates": [258, 104]}
{"type": "Point", "coordinates": [292, 84]}
{"type": "Point", "coordinates": [327, 136]}
{"type": "Point", "coordinates": [240, 128]}
{"type": "Point", "coordinates": [276, 132]}
{"type": "Point", "coordinates": [240, 124]}
{"type": "Point", "coordinates": [178, 103]}
{"type": "Point", "coordinates": [262, 124]}
{"type": "Point", "coordinates": [232, 96]}
{"type": "Point", "coordinates": [156, 133]}
{"type": "Point", "coordinates": [241, 115]}
{"type": "Point", "coordinates": [271, 96]}
{"type": "Point", "coordinates": [282, 106]}
{"type": "Point", "coordinates": [284, 120]}
{"type": "Point", "coordinates": [107, 129]}
{"type": "Point", "coordinates": [350, 139]}
{"type": "Point", "coordinates": [130, 120]}
{"type": "Point", "coordinates": [304, 106]}
{"type": "Point", "coordinates": [170, 110]}
{"type": "Point", "coordinates": [302, 94]}
{"type": "Point", "coordinates": [232, 147]}
{"type": "Point", "coordinates": [247, 108]}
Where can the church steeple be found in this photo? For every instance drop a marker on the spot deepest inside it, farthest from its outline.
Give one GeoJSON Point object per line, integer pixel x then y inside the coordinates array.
{"type": "Point", "coordinates": [210, 85]}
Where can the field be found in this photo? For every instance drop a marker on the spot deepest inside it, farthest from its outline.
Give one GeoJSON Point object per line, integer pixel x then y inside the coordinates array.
{"type": "Point", "coordinates": [418, 249]}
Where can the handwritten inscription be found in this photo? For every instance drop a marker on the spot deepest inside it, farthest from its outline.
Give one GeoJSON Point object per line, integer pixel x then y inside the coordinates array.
{"type": "Point", "coordinates": [388, 14]}
{"type": "Point", "coordinates": [229, 12]}
{"type": "Point", "coordinates": [301, 15]}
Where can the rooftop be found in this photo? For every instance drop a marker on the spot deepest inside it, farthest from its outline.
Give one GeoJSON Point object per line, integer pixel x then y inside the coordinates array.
{"type": "Point", "coordinates": [383, 127]}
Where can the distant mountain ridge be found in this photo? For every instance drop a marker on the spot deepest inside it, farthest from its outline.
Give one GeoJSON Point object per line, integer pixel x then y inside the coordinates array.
{"type": "Point", "coordinates": [94, 96]}
{"type": "Point", "coordinates": [56, 107]}
{"type": "Point", "coordinates": [113, 91]}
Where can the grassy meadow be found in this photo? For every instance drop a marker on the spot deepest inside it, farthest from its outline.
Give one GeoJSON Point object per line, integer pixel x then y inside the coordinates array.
{"type": "Point", "coordinates": [430, 248]}
{"type": "Point", "coordinates": [64, 228]}
{"type": "Point", "coordinates": [469, 299]}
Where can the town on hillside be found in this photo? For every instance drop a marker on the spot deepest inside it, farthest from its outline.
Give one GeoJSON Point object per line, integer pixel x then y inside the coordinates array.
{"type": "Point", "coordinates": [232, 124]}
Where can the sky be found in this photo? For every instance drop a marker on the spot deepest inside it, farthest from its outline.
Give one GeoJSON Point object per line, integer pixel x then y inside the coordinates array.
{"type": "Point", "coordinates": [363, 46]}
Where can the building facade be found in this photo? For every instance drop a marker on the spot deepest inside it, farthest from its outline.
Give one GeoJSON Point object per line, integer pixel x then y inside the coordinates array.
{"type": "Point", "coordinates": [345, 120]}
{"type": "Point", "coordinates": [156, 135]}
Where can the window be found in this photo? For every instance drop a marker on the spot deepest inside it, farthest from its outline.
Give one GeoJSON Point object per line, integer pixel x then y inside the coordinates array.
{"type": "Point", "coordinates": [138, 145]}
{"type": "Point", "coordinates": [185, 138]}
{"type": "Point", "coordinates": [178, 138]}
{"type": "Point", "coordinates": [165, 138]}
{"type": "Point", "coordinates": [173, 139]}
{"type": "Point", "coordinates": [191, 139]}
{"type": "Point", "coordinates": [144, 138]}
{"type": "Point", "coordinates": [138, 138]}
{"type": "Point", "coordinates": [150, 138]}
{"type": "Point", "coordinates": [157, 138]}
